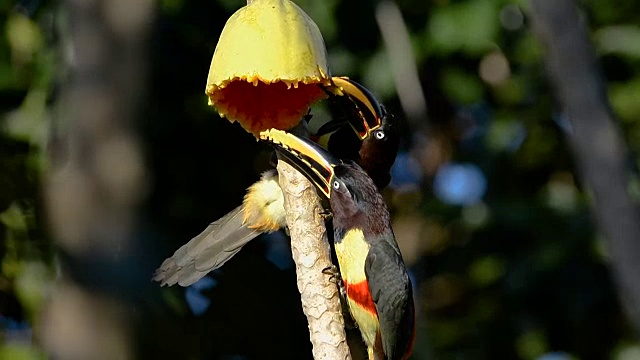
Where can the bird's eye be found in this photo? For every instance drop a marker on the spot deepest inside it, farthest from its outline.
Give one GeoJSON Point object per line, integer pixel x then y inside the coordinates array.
{"type": "Point", "coordinates": [379, 134]}
{"type": "Point", "coordinates": [336, 185]}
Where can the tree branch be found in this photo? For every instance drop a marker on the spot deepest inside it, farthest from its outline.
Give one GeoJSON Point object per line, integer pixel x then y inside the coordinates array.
{"type": "Point", "coordinates": [596, 140]}
{"type": "Point", "coordinates": [311, 254]}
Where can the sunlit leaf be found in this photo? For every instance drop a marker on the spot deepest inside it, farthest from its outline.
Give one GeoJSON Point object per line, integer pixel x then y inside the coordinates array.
{"type": "Point", "coordinates": [531, 345]}
{"type": "Point", "coordinates": [24, 37]}
{"type": "Point", "coordinates": [460, 86]}
{"type": "Point", "coordinates": [486, 270]}
{"type": "Point", "coordinates": [20, 351]}
{"type": "Point", "coordinates": [470, 26]}
{"type": "Point", "coordinates": [32, 285]}
{"type": "Point", "coordinates": [625, 100]}
{"type": "Point", "coordinates": [620, 39]}
{"type": "Point", "coordinates": [380, 82]}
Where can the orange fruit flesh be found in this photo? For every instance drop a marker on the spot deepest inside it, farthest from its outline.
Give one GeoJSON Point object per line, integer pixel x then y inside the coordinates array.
{"type": "Point", "coordinates": [264, 106]}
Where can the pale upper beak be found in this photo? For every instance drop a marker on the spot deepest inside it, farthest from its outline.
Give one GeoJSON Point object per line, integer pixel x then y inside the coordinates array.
{"type": "Point", "coordinates": [314, 162]}
{"type": "Point", "coordinates": [367, 110]}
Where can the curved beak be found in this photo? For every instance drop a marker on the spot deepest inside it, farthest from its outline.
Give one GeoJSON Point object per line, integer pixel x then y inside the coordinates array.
{"type": "Point", "coordinates": [314, 162]}
{"type": "Point", "coordinates": [365, 110]}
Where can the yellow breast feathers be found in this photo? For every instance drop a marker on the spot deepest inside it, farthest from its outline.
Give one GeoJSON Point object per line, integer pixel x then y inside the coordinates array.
{"type": "Point", "coordinates": [264, 204]}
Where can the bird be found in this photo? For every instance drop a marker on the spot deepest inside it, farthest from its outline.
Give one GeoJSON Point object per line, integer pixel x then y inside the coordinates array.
{"type": "Point", "coordinates": [262, 211]}
{"type": "Point", "coordinates": [375, 279]}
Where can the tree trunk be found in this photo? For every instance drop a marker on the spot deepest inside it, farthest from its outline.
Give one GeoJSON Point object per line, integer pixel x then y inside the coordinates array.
{"type": "Point", "coordinates": [596, 140]}
{"type": "Point", "coordinates": [96, 182]}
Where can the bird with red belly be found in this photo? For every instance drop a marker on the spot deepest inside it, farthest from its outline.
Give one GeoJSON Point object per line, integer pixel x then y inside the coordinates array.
{"type": "Point", "coordinates": [377, 284]}
{"type": "Point", "coordinates": [368, 134]}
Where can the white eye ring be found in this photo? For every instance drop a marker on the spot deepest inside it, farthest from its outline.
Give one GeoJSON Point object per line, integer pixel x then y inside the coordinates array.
{"type": "Point", "coordinates": [379, 134]}
{"type": "Point", "coordinates": [336, 185]}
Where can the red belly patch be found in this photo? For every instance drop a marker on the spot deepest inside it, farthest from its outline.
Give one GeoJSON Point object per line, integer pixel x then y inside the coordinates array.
{"type": "Point", "coordinates": [360, 294]}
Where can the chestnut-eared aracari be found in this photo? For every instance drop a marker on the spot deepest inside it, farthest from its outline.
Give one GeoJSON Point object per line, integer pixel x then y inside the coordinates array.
{"type": "Point", "coordinates": [376, 282]}
{"type": "Point", "coordinates": [377, 141]}
{"type": "Point", "coordinates": [378, 130]}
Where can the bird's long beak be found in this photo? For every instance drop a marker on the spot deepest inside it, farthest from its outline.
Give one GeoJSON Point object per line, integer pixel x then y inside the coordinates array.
{"type": "Point", "coordinates": [314, 162]}
{"type": "Point", "coordinates": [365, 110]}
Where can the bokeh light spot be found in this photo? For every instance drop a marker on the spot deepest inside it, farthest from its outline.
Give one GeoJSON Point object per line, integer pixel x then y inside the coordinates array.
{"type": "Point", "coordinates": [494, 68]}
{"type": "Point", "coordinates": [511, 17]}
{"type": "Point", "coordinates": [459, 184]}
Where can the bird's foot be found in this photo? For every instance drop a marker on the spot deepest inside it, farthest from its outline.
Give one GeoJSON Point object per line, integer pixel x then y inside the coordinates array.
{"type": "Point", "coordinates": [326, 214]}
{"type": "Point", "coordinates": [334, 277]}
{"type": "Point", "coordinates": [333, 272]}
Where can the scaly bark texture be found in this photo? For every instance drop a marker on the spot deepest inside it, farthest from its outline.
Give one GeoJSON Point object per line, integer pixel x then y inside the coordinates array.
{"type": "Point", "coordinates": [311, 253]}
{"type": "Point", "coordinates": [596, 140]}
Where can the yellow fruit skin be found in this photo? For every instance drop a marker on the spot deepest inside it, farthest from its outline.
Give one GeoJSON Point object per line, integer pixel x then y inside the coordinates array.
{"type": "Point", "coordinates": [267, 42]}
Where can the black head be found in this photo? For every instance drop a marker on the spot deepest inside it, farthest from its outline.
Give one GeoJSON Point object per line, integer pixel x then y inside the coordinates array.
{"type": "Point", "coordinates": [378, 151]}
{"type": "Point", "coordinates": [375, 139]}
{"type": "Point", "coordinates": [355, 200]}
{"type": "Point", "coordinates": [352, 194]}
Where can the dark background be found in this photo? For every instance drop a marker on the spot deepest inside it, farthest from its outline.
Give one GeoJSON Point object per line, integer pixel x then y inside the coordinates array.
{"type": "Point", "coordinates": [489, 211]}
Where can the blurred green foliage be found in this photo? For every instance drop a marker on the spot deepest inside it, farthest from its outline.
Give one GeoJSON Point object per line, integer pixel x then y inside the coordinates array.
{"type": "Point", "coordinates": [26, 251]}
{"type": "Point", "coordinates": [519, 274]}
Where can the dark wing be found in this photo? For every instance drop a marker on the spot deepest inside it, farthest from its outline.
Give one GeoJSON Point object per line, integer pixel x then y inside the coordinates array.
{"type": "Point", "coordinates": [392, 293]}
{"type": "Point", "coordinates": [206, 252]}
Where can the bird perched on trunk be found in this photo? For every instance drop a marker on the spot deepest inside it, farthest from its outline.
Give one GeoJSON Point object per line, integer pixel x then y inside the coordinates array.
{"type": "Point", "coordinates": [376, 146]}
{"type": "Point", "coordinates": [376, 282]}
